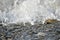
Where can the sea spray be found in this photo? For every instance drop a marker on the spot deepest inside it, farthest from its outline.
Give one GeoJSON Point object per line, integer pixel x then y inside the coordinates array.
{"type": "Point", "coordinates": [33, 11]}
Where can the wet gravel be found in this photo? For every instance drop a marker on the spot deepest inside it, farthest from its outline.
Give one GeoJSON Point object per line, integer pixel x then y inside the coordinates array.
{"type": "Point", "coordinates": [30, 32]}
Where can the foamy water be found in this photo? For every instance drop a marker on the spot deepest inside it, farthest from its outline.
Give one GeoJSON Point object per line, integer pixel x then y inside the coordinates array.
{"type": "Point", "coordinates": [33, 11]}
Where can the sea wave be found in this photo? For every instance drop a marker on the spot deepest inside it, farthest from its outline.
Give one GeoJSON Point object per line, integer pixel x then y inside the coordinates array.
{"type": "Point", "coordinates": [33, 11]}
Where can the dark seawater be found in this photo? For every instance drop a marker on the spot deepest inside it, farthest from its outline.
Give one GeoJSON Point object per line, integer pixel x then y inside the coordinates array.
{"type": "Point", "coordinates": [30, 32]}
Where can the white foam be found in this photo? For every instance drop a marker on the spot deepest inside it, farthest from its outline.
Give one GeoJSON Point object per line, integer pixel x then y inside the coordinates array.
{"type": "Point", "coordinates": [33, 11]}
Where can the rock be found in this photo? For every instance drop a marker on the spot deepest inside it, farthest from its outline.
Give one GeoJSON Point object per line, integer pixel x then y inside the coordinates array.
{"type": "Point", "coordinates": [50, 21]}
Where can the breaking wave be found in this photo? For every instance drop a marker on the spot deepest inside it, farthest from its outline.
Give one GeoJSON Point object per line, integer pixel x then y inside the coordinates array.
{"type": "Point", "coordinates": [33, 11]}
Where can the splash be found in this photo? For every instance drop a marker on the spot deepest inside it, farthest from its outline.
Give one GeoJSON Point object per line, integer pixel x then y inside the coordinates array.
{"type": "Point", "coordinates": [33, 11]}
